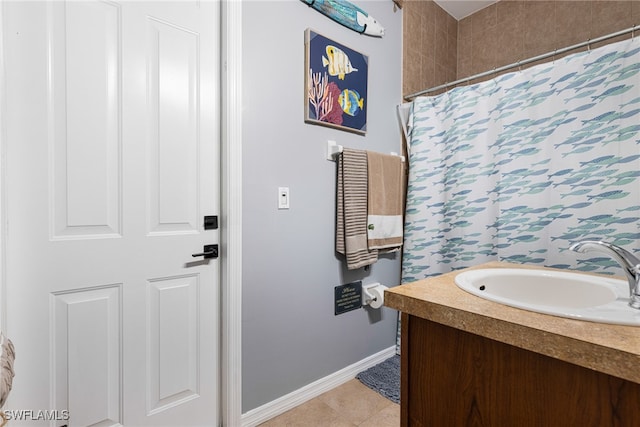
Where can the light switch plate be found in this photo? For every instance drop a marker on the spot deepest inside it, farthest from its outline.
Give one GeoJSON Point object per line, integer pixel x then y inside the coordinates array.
{"type": "Point", "coordinates": [283, 197]}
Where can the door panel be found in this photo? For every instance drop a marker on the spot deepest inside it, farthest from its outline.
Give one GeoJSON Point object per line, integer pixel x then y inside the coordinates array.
{"type": "Point", "coordinates": [173, 341]}
{"type": "Point", "coordinates": [85, 139]}
{"type": "Point", "coordinates": [173, 127]}
{"type": "Point", "coordinates": [87, 341]}
{"type": "Point", "coordinates": [112, 163]}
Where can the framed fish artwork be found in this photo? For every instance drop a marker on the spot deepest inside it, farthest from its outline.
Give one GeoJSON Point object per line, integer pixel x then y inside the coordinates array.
{"type": "Point", "coordinates": [335, 84]}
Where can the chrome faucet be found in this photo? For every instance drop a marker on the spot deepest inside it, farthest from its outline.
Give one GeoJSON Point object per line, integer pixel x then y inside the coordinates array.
{"type": "Point", "coordinates": [629, 263]}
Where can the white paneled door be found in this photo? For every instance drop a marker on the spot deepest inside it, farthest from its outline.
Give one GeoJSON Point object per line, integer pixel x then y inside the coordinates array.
{"type": "Point", "coordinates": [111, 127]}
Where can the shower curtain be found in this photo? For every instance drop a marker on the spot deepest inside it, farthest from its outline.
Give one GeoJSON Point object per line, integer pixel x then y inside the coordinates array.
{"type": "Point", "coordinates": [520, 167]}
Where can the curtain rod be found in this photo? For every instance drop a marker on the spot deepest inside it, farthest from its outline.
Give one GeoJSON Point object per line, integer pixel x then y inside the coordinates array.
{"type": "Point", "coordinates": [524, 62]}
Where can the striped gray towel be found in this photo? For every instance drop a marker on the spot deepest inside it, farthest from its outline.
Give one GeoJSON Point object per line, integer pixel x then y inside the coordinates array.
{"type": "Point", "coordinates": [351, 207]}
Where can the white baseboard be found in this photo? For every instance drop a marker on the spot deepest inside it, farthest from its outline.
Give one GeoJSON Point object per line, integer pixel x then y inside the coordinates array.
{"type": "Point", "coordinates": [281, 405]}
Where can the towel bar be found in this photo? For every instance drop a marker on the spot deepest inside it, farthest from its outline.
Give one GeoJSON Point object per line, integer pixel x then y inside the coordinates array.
{"type": "Point", "coordinates": [333, 149]}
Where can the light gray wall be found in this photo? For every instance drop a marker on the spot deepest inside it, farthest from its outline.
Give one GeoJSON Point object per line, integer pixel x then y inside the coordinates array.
{"type": "Point", "coordinates": [290, 334]}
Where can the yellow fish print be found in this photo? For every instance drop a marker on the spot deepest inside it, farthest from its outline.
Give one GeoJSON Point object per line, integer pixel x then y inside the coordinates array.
{"type": "Point", "coordinates": [350, 101]}
{"type": "Point", "coordinates": [338, 62]}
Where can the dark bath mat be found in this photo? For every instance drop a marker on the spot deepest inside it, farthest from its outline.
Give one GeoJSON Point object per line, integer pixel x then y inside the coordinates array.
{"type": "Point", "coordinates": [384, 378]}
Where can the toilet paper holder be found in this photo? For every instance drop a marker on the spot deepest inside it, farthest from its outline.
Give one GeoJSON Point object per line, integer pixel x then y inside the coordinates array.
{"type": "Point", "coordinates": [373, 295]}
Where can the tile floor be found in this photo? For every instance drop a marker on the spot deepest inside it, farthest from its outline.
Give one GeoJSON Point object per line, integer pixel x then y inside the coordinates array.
{"type": "Point", "coordinates": [349, 405]}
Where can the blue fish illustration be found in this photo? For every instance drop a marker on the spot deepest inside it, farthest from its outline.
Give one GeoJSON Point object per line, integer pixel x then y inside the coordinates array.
{"type": "Point", "coordinates": [608, 71]}
{"type": "Point", "coordinates": [528, 85]}
{"type": "Point", "coordinates": [464, 116]}
{"type": "Point", "coordinates": [597, 129]}
{"type": "Point", "coordinates": [601, 261]}
{"type": "Point", "coordinates": [624, 220]}
{"type": "Point", "coordinates": [627, 159]}
{"type": "Point", "coordinates": [607, 57]}
{"type": "Point", "coordinates": [630, 53]}
{"type": "Point", "coordinates": [609, 195]}
{"type": "Point", "coordinates": [538, 251]}
{"type": "Point", "coordinates": [626, 72]}
{"type": "Point", "coordinates": [629, 209]}
{"type": "Point", "coordinates": [480, 200]}
{"type": "Point", "coordinates": [540, 223]}
{"type": "Point", "coordinates": [632, 67]}
{"type": "Point", "coordinates": [538, 210]}
{"type": "Point", "coordinates": [525, 152]}
{"type": "Point", "coordinates": [589, 141]}
{"type": "Point", "coordinates": [521, 123]}
{"type": "Point", "coordinates": [351, 102]}
{"type": "Point", "coordinates": [608, 116]}
{"type": "Point", "coordinates": [561, 122]}
{"type": "Point", "coordinates": [536, 188]}
{"type": "Point", "coordinates": [546, 132]}
{"type": "Point", "coordinates": [629, 114]}
{"type": "Point", "coordinates": [520, 208]}
{"type": "Point", "coordinates": [600, 160]}
{"type": "Point", "coordinates": [589, 183]}
{"type": "Point", "coordinates": [569, 181]}
{"type": "Point", "coordinates": [564, 78]}
{"type": "Point", "coordinates": [603, 232]}
{"type": "Point", "coordinates": [629, 129]}
{"type": "Point", "coordinates": [558, 216]}
{"type": "Point", "coordinates": [568, 236]}
{"type": "Point", "coordinates": [585, 227]}
{"type": "Point", "coordinates": [594, 83]}
{"type": "Point", "coordinates": [349, 15]}
{"type": "Point", "coordinates": [577, 83]}
{"type": "Point", "coordinates": [633, 101]}
{"type": "Point", "coordinates": [618, 90]}
{"type": "Point", "coordinates": [620, 182]}
{"type": "Point", "coordinates": [597, 218]}
{"type": "Point", "coordinates": [577, 151]}
{"type": "Point", "coordinates": [561, 173]}
{"type": "Point", "coordinates": [585, 106]}
{"type": "Point", "coordinates": [462, 193]}
{"type": "Point", "coordinates": [560, 266]}
{"type": "Point", "coordinates": [581, 95]}
{"type": "Point", "coordinates": [527, 172]}
{"type": "Point", "coordinates": [576, 193]}
{"type": "Point", "coordinates": [634, 236]}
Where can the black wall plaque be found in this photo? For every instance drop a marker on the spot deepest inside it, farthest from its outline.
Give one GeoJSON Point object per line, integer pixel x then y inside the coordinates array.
{"type": "Point", "coordinates": [348, 297]}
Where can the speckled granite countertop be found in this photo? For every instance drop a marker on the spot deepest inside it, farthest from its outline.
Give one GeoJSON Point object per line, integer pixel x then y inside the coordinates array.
{"type": "Point", "coordinates": [611, 349]}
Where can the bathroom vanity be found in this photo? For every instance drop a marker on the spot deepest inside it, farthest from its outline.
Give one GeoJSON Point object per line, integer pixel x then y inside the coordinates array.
{"type": "Point", "coordinates": [467, 361]}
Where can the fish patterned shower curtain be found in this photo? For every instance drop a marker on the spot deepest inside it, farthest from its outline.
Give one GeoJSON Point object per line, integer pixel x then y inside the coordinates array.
{"type": "Point", "coordinates": [520, 167]}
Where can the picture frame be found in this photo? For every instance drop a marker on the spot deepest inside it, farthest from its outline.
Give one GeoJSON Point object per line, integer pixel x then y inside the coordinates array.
{"type": "Point", "coordinates": [336, 80]}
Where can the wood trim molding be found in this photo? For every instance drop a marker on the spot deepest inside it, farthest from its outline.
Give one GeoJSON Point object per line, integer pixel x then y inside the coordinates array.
{"type": "Point", "coordinates": [3, 192]}
{"type": "Point", "coordinates": [231, 215]}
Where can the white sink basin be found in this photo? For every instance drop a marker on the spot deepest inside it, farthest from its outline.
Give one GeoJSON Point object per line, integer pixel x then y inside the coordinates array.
{"type": "Point", "coordinates": [559, 293]}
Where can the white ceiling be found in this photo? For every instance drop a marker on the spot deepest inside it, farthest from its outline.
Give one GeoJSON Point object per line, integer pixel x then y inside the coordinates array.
{"type": "Point", "coordinates": [462, 8]}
